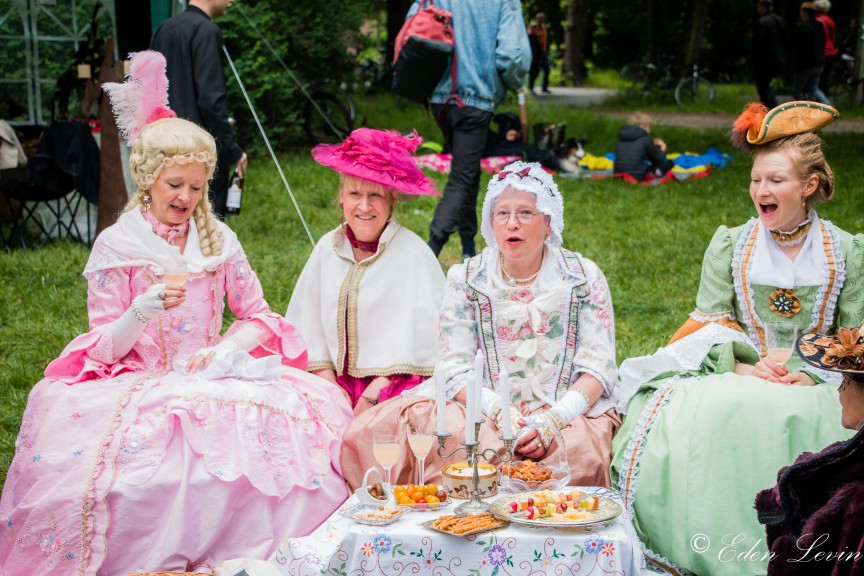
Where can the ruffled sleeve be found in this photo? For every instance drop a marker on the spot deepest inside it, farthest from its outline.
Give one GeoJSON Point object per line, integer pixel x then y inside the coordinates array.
{"type": "Point", "coordinates": [850, 304]}
{"type": "Point", "coordinates": [246, 300]}
{"type": "Point", "coordinates": [716, 296]}
{"type": "Point", "coordinates": [89, 356]}
{"type": "Point", "coordinates": [596, 353]}
{"type": "Point", "coordinates": [457, 333]}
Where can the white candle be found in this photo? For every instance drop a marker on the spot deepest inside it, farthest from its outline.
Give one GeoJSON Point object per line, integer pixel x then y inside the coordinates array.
{"type": "Point", "coordinates": [469, 413]}
{"type": "Point", "coordinates": [478, 382]}
{"type": "Point", "coordinates": [504, 387]}
{"type": "Point", "coordinates": [440, 402]}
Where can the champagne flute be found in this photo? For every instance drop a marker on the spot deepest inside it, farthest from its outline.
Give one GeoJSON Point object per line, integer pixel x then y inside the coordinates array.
{"type": "Point", "coordinates": [421, 444]}
{"type": "Point", "coordinates": [176, 274]}
{"type": "Point", "coordinates": [780, 341]}
{"type": "Point", "coordinates": [387, 451]}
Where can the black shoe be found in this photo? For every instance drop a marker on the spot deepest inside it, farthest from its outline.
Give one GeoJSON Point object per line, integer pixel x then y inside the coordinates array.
{"type": "Point", "coordinates": [546, 91]}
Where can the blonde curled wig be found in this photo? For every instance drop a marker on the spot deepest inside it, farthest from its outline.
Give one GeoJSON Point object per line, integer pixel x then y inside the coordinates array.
{"type": "Point", "coordinates": [168, 142]}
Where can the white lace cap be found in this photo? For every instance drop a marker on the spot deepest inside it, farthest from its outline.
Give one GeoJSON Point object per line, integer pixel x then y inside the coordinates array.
{"type": "Point", "coordinates": [527, 177]}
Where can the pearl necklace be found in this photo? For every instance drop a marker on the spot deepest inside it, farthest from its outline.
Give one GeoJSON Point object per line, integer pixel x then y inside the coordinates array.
{"type": "Point", "coordinates": [794, 236]}
{"type": "Point", "coordinates": [513, 281]}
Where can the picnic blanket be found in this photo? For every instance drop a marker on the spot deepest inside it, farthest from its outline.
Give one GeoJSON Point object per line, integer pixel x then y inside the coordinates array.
{"type": "Point", "coordinates": [688, 165]}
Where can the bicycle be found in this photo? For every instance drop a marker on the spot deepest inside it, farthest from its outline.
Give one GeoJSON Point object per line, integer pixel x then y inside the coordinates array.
{"type": "Point", "coordinates": [646, 78]}
{"type": "Point", "coordinates": [694, 88]}
{"type": "Point", "coordinates": [329, 114]}
{"type": "Point", "coordinates": [843, 90]}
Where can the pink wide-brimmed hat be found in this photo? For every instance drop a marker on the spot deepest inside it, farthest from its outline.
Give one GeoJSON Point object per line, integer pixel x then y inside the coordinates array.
{"type": "Point", "coordinates": [380, 156]}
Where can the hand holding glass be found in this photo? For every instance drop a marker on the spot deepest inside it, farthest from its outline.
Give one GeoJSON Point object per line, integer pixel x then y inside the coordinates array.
{"type": "Point", "coordinates": [420, 444]}
{"type": "Point", "coordinates": [176, 274]}
{"type": "Point", "coordinates": [780, 340]}
{"type": "Point", "coordinates": [387, 451]}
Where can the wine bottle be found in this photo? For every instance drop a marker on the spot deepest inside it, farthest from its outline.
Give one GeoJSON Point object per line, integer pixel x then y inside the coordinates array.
{"type": "Point", "coordinates": [235, 195]}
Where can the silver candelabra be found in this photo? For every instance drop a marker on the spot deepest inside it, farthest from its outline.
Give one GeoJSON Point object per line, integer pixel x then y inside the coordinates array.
{"type": "Point", "coordinates": [472, 455]}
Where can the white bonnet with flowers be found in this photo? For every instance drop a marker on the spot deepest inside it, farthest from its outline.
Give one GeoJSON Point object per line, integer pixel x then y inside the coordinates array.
{"type": "Point", "coordinates": [527, 177]}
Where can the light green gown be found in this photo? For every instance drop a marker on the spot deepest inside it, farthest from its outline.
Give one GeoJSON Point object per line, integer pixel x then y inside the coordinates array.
{"type": "Point", "coordinates": [699, 441]}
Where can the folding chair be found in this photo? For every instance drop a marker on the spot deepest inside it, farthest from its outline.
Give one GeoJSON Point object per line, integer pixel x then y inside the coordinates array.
{"type": "Point", "coordinates": [67, 160]}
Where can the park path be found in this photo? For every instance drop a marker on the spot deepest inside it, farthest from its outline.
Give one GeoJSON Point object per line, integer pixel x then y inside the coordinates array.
{"type": "Point", "coordinates": [596, 96]}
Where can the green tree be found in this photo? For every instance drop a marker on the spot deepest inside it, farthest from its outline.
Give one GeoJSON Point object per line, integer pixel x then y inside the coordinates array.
{"type": "Point", "coordinates": [316, 40]}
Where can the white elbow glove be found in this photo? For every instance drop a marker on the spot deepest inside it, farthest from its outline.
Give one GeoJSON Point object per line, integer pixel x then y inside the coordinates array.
{"type": "Point", "coordinates": [126, 329]}
{"type": "Point", "coordinates": [491, 407]}
{"type": "Point", "coordinates": [574, 403]}
{"type": "Point", "coordinates": [245, 339]}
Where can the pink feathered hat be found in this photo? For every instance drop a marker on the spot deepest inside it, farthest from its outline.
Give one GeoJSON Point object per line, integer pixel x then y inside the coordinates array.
{"type": "Point", "coordinates": [380, 156]}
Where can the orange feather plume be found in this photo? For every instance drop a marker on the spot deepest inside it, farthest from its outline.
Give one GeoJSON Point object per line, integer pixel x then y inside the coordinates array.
{"type": "Point", "coordinates": [748, 122]}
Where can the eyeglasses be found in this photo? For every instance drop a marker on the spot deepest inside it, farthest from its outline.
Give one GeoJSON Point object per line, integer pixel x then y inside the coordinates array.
{"type": "Point", "coordinates": [523, 216]}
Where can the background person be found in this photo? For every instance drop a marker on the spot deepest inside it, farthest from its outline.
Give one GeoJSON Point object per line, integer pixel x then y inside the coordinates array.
{"type": "Point", "coordinates": [637, 153]}
{"type": "Point", "coordinates": [769, 50]}
{"type": "Point", "coordinates": [539, 52]}
{"type": "Point", "coordinates": [493, 56]}
{"type": "Point", "coordinates": [192, 45]}
{"type": "Point", "coordinates": [712, 416]}
{"type": "Point", "coordinates": [154, 443]}
{"type": "Point", "coordinates": [812, 516]}
{"type": "Point", "coordinates": [540, 311]}
{"type": "Point", "coordinates": [808, 55]}
{"type": "Point", "coordinates": [832, 52]}
{"type": "Point", "coordinates": [367, 299]}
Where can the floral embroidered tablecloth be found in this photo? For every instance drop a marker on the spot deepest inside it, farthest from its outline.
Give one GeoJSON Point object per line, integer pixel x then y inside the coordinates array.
{"type": "Point", "coordinates": [342, 547]}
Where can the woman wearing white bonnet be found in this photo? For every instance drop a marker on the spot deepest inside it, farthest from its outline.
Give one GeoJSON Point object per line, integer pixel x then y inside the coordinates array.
{"type": "Point", "coordinates": [538, 311]}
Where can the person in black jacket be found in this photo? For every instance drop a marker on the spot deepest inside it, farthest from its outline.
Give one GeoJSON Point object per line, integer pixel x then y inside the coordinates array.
{"type": "Point", "coordinates": [769, 49]}
{"type": "Point", "coordinates": [814, 516]}
{"type": "Point", "coordinates": [808, 56]}
{"type": "Point", "coordinates": [192, 45]}
{"type": "Point", "coordinates": [636, 151]}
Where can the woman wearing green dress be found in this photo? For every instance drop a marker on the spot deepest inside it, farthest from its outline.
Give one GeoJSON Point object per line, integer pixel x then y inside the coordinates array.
{"type": "Point", "coordinates": [711, 417]}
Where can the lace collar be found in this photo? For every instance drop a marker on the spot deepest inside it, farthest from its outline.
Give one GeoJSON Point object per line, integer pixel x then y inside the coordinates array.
{"type": "Point", "coordinates": [169, 233]}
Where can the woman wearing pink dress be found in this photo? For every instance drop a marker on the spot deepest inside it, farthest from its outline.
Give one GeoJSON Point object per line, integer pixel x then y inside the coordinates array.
{"type": "Point", "coordinates": [154, 443]}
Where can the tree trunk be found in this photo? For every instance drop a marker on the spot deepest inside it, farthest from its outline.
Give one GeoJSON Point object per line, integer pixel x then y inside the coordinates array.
{"type": "Point", "coordinates": [694, 32]}
{"type": "Point", "coordinates": [396, 11]}
{"type": "Point", "coordinates": [575, 27]}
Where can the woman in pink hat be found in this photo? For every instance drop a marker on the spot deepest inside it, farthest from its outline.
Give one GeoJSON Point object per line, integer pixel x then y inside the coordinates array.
{"type": "Point", "coordinates": [367, 299]}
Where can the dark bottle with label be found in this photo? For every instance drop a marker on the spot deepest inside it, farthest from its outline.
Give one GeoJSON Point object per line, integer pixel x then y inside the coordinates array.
{"type": "Point", "coordinates": [235, 195]}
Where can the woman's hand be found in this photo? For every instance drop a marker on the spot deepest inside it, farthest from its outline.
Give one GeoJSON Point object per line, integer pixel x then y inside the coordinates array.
{"type": "Point", "coordinates": [769, 370]}
{"type": "Point", "coordinates": [531, 446]}
{"type": "Point", "coordinates": [201, 360]}
{"type": "Point", "coordinates": [372, 392]}
{"type": "Point", "coordinates": [172, 296]}
{"type": "Point", "coordinates": [798, 379]}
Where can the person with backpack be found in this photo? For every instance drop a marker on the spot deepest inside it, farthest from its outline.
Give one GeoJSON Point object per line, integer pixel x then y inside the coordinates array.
{"type": "Point", "coordinates": [487, 33]}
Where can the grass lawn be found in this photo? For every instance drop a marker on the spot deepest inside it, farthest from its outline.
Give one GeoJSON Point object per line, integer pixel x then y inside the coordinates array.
{"type": "Point", "coordinates": [649, 241]}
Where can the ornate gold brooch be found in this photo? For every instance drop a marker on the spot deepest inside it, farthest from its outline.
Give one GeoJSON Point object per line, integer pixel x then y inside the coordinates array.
{"type": "Point", "coordinates": [784, 303]}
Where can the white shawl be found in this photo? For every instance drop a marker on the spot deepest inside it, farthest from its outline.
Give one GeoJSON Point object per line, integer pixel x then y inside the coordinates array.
{"type": "Point", "coordinates": [387, 305]}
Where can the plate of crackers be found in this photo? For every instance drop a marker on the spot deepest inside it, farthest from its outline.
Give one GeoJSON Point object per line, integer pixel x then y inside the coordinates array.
{"type": "Point", "coordinates": [465, 524]}
{"type": "Point", "coordinates": [373, 514]}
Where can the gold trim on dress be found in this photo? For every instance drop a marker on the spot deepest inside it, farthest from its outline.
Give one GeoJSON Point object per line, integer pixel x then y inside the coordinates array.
{"type": "Point", "coordinates": [320, 365]}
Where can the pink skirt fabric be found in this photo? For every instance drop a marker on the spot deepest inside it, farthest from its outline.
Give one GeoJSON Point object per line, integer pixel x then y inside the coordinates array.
{"type": "Point", "coordinates": [356, 386]}
{"type": "Point", "coordinates": [588, 441]}
{"type": "Point", "coordinates": [168, 472]}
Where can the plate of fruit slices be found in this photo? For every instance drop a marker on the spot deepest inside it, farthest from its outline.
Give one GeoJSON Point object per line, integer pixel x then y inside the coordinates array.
{"type": "Point", "coordinates": [420, 498]}
{"type": "Point", "coordinates": [579, 506]}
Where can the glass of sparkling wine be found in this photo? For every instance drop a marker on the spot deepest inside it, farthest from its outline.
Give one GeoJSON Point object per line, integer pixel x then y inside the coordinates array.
{"type": "Point", "coordinates": [421, 444]}
{"type": "Point", "coordinates": [780, 339]}
{"type": "Point", "coordinates": [176, 274]}
{"type": "Point", "coordinates": [387, 451]}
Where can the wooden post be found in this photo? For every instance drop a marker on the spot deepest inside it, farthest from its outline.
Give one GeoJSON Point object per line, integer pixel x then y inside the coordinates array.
{"type": "Point", "coordinates": [112, 186]}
